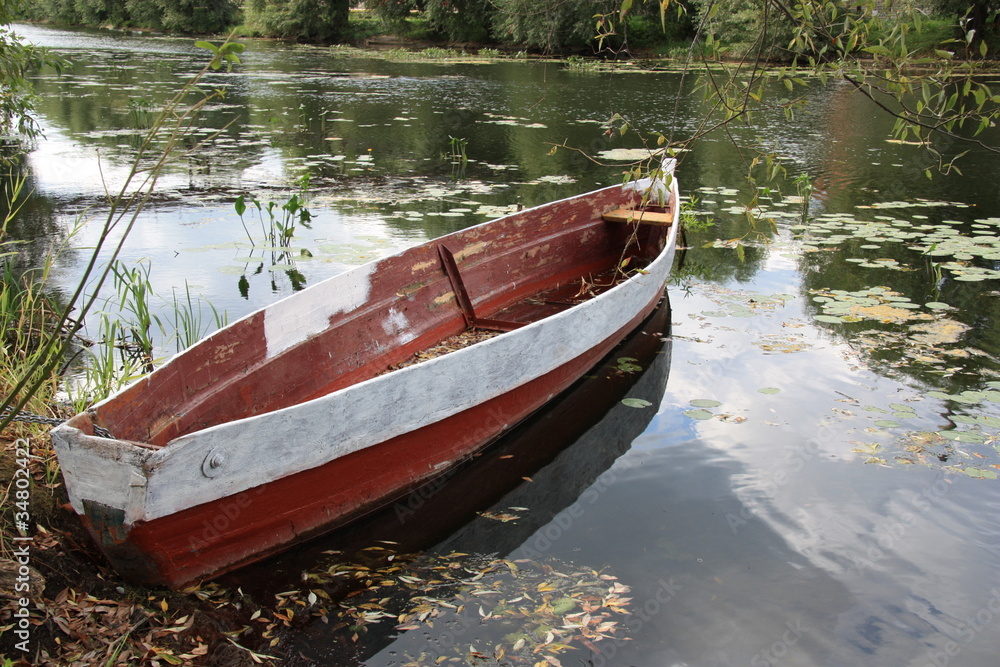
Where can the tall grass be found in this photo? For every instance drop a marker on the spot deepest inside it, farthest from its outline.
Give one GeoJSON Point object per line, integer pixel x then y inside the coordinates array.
{"type": "Point", "coordinates": [189, 323]}
{"type": "Point", "coordinates": [130, 335]}
{"type": "Point", "coordinates": [27, 314]}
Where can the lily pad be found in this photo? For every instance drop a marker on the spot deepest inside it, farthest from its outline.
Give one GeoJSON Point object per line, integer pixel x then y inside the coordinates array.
{"type": "Point", "coordinates": [705, 403]}
{"type": "Point", "coordinates": [698, 414]}
{"type": "Point", "coordinates": [636, 402]}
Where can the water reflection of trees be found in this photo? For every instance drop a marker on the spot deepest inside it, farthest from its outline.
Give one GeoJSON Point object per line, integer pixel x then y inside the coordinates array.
{"type": "Point", "coordinates": [954, 367]}
{"type": "Point", "coordinates": [33, 229]}
{"type": "Point", "coordinates": [109, 100]}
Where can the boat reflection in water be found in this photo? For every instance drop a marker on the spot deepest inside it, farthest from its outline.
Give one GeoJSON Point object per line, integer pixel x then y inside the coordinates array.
{"type": "Point", "coordinates": [497, 504]}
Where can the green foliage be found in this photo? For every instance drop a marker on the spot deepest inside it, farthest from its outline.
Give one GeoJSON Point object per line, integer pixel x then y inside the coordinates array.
{"type": "Point", "coordinates": [189, 325]}
{"type": "Point", "coordinates": [126, 338]}
{"type": "Point", "coordinates": [134, 293]}
{"type": "Point", "coordinates": [392, 12]}
{"type": "Point", "coordinates": [923, 37]}
{"type": "Point", "coordinates": [277, 225]}
{"type": "Point", "coordinates": [63, 12]}
{"type": "Point", "coordinates": [183, 16]}
{"type": "Point", "coordinates": [141, 112]}
{"type": "Point", "coordinates": [368, 23]}
{"type": "Point", "coordinates": [458, 148]}
{"type": "Point", "coordinates": [320, 21]}
{"type": "Point", "coordinates": [909, 67]}
{"type": "Point", "coordinates": [549, 25]}
{"type": "Point", "coordinates": [742, 28]}
{"type": "Point", "coordinates": [178, 16]}
{"type": "Point", "coordinates": [647, 31]}
{"type": "Point", "coordinates": [628, 365]}
{"type": "Point", "coordinates": [978, 16]}
{"type": "Point", "coordinates": [690, 220]}
{"type": "Point", "coordinates": [101, 12]}
{"type": "Point", "coordinates": [278, 228]}
{"type": "Point", "coordinates": [581, 64]}
{"type": "Point", "coordinates": [26, 311]}
{"type": "Point", "coordinates": [461, 20]}
{"type": "Point", "coordinates": [227, 52]}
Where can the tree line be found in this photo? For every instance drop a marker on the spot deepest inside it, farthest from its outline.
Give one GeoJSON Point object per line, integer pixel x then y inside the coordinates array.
{"type": "Point", "coordinates": [541, 25]}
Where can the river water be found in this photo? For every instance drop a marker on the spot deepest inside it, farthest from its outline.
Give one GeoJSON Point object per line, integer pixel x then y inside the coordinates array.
{"type": "Point", "coordinates": [813, 481]}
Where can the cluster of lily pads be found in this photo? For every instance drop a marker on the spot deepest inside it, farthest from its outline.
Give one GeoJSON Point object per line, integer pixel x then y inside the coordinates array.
{"type": "Point", "coordinates": [936, 241]}
{"type": "Point", "coordinates": [965, 443]}
{"type": "Point", "coordinates": [702, 407]}
{"type": "Point", "coordinates": [925, 334]}
{"type": "Point", "coordinates": [502, 119]}
{"type": "Point", "coordinates": [874, 303]}
{"type": "Point", "coordinates": [745, 304]}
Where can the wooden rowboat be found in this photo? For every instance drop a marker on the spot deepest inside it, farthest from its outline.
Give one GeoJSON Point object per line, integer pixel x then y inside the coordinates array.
{"type": "Point", "coordinates": [311, 412]}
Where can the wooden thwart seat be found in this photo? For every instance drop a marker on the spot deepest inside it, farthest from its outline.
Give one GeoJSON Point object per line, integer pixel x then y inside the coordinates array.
{"type": "Point", "coordinates": [472, 319]}
{"type": "Point", "coordinates": [663, 218]}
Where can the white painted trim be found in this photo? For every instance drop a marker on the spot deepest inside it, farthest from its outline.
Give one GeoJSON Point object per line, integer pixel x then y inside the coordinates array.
{"type": "Point", "coordinates": [103, 470]}
{"type": "Point", "coordinates": [289, 322]}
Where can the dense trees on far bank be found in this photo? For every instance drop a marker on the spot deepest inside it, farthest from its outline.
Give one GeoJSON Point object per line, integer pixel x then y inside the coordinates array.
{"type": "Point", "coordinates": [316, 21]}
{"type": "Point", "coordinates": [540, 25]}
{"type": "Point", "coordinates": [177, 16]}
{"type": "Point", "coordinates": [546, 25]}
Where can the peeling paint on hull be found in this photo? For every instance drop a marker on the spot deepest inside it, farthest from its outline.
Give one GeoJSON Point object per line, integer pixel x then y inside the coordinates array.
{"type": "Point", "coordinates": [284, 424]}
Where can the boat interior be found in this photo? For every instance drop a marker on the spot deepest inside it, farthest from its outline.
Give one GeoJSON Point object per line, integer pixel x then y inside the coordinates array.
{"type": "Point", "coordinates": [495, 277]}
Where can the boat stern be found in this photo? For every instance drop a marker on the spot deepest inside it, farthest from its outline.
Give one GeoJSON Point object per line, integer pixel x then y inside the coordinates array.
{"type": "Point", "coordinates": [104, 478]}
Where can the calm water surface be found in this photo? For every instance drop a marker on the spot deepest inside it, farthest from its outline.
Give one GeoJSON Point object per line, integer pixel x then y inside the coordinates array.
{"type": "Point", "coordinates": [829, 499]}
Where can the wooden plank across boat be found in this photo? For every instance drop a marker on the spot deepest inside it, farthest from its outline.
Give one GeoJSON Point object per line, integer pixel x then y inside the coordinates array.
{"type": "Point", "coordinates": [309, 413]}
